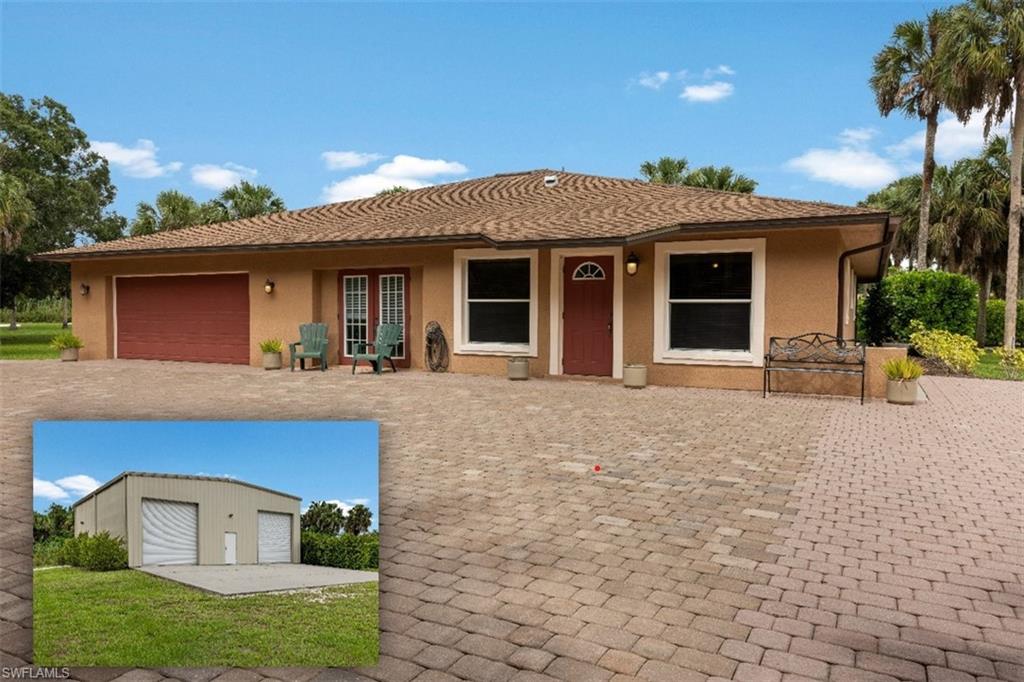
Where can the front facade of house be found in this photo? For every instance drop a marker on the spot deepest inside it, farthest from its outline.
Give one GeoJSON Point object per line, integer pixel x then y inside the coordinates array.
{"type": "Point", "coordinates": [580, 275]}
{"type": "Point", "coordinates": [204, 520]}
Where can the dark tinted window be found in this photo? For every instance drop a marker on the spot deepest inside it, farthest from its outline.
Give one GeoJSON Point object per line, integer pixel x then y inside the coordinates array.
{"type": "Point", "coordinates": [499, 278]}
{"type": "Point", "coordinates": [720, 326]}
{"type": "Point", "coordinates": [499, 322]}
{"type": "Point", "coordinates": [710, 275]}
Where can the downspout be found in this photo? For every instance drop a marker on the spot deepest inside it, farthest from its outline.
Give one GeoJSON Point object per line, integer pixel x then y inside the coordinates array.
{"type": "Point", "coordinates": [884, 246]}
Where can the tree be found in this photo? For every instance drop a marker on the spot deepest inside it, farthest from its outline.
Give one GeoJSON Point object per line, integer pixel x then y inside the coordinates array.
{"type": "Point", "coordinates": [721, 178]}
{"type": "Point", "coordinates": [246, 200]}
{"type": "Point", "coordinates": [665, 171]}
{"type": "Point", "coordinates": [902, 199]}
{"type": "Point", "coordinates": [323, 517]}
{"type": "Point", "coordinates": [391, 191]}
{"type": "Point", "coordinates": [358, 520]}
{"type": "Point", "coordinates": [66, 182]}
{"type": "Point", "coordinates": [16, 212]}
{"type": "Point", "coordinates": [172, 210]}
{"type": "Point", "coordinates": [983, 44]}
{"type": "Point", "coordinates": [908, 76]}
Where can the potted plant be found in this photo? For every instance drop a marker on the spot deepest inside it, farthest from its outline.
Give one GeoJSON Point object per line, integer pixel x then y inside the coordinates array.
{"type": "Point", "coordinates": [271, 349]}
{"type": "Point", "coordinates": [518, 369]}
{"type": "Point", "coordinates": [902, 374]}
{"type": "Point", "coordinates": [634, 376]}
{"type": "Point", "coordinates": [68, 345]}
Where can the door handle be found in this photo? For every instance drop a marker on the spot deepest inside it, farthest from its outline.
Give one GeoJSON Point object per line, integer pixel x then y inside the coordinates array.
{"type": "Point", "coordinates": [609, 328]}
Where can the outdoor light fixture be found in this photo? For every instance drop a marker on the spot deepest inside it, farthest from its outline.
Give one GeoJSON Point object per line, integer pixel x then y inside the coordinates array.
{"type": "Point", "coordinates": [632, 264]}
{"type": "Point", "coordinates": [268, 286]}
{"type": "Point", "coordinates": [83, 289]}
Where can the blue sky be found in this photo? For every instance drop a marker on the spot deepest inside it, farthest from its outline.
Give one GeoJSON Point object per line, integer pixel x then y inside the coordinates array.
{"type": "Point", "coordinates": [329, 101]}
{"type": "Point", "coordinates": [334, 460]}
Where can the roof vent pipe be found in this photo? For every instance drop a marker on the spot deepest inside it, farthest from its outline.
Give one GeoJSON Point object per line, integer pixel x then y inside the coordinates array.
{"type": "Point", "coordinates": [550, 180]}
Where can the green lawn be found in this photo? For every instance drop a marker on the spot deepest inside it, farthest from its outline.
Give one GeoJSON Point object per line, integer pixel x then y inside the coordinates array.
{"type": "Point", "coordinates": [990, 368]}
{"type": "Point", "coordinates": [131, 619]}
{"type": "Point", "coordinates": [30, 341]}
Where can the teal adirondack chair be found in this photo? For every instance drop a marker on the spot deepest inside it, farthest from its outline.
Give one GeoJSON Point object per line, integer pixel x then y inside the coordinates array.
{"type": "Point", "coordinates": [313, 340]}
{"type": "Point", "coordinates": [384, 346]}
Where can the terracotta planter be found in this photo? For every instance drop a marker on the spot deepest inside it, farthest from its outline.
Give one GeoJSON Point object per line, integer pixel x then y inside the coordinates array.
{"type": "Point", "coordinates": [518, 369]}
{"type": "Point", "coordinates": [68, 354]}
{"type": "Point", "coordinates": [901, 392]}
{"type": "Point", "coordinates": [271, 361]}
{"type": "Point", "coordinates": [634, 376]}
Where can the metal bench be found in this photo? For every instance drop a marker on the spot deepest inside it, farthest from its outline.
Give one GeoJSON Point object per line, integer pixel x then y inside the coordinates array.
{"type": "Point", "coordinates": [818, 353]}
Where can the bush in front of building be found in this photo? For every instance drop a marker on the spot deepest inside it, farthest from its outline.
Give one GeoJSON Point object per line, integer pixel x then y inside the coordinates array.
{"type": "Point", "coordinates": [49, 552]}
{"type": "Point", "coordinates": [995, 314]}
{"type": "Point", "coordinates": [99, 552]}
{"type": "Point", "coordinates": [939, 300]}
{"type": "Point", "coordinates": [358, 552]}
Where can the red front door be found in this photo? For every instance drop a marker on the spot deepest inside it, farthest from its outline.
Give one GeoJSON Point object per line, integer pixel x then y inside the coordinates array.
{"type": "Point", "coordinates": [587, 315]}
{"type": "Point", "coordinates": [368, 298]}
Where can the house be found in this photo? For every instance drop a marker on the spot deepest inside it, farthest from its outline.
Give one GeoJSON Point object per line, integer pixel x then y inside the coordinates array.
{"type": "Point", "coordinates": [578, 273]}
{"type": "Point", "coordinates": [178, 519]}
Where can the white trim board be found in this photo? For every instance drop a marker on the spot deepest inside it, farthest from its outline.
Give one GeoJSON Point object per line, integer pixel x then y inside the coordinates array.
{"type": "Point", "coordinates": [555, 349]}
{"type": "Point", "coordinates": [459, 272]}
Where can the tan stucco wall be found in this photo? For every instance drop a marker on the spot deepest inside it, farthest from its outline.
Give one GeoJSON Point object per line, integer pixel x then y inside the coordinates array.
{"type": "Point", "coordinates": [801, 289]}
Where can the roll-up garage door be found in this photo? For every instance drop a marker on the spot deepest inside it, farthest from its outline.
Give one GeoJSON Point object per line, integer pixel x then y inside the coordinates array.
{"type": "Point", "coordinates": [197, 318]}
{"type": "Point", "coordinates": [170, 532]}
{"type": "Point", "coordinates": [275, 538]}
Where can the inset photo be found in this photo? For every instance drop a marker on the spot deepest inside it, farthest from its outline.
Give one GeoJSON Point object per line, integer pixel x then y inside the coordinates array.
{"type": "Point", "coordinates": [200, 544]}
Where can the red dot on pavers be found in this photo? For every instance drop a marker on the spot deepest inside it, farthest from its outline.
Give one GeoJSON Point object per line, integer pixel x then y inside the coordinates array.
{"type": "Point", "coordinates": [597, 467]}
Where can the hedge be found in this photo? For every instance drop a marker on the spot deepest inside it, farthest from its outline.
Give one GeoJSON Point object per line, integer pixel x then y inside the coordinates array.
{"type": "Point", "coordinates": [359, 552]}
{"type": "Point", "coordinates": [99, 552]}
{"type": "Point", "coordinates": [940, 300]}
{"type": "Point", "coordinates": [37, 310]}
{"type": "Point", "coordinates": [995, 314]}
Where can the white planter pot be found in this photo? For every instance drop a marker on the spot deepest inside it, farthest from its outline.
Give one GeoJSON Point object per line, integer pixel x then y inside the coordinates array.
{"type": "Point", "coordinates": [518, 369]}
{"type": "Point", "coordinates": [69, 355]}
{"type": "Point", "coordinates": [901, 392]}
{"type": "Point", "coordinates": [634, 376]}
{"type": "Point", "coordinates": [271, 361]}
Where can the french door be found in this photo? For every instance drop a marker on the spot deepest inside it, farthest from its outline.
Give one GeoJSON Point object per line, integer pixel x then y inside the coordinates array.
{"type": "Point", "coordinates": [369, 298]}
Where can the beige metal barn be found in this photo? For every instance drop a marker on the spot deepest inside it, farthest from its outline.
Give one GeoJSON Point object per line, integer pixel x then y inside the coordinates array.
{"type": "Point", "coordinates": [180, 519]}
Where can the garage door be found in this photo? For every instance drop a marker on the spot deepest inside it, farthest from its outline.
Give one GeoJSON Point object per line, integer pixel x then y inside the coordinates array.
{"type": "Point", "coordinates": [199, 318]}
{"type": "Point", "coordinates": [169, 532]}
{"type": "Point", "coordinates": [275, 538]}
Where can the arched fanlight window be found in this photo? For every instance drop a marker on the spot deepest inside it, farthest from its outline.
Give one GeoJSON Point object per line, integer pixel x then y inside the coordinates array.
{"type": "Point", "coordinates": [588, 270]}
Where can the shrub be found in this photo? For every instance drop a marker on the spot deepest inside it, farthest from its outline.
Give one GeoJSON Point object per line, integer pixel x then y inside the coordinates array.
{"type": "Point", "coordinates": [940, 300]}
{"type": "Point", "coordinates": [65, 340]}
{"type": "Point", "coordinates": [995, 313]}
{"type": "Point", "coordinates": [1012, 362]}
{"type": "Point", "coordinates": [958, 352]}
{"type": "Point", "coordinates": [101, 552]}
{"type": "Point", "coordinates": [37, 310]}
{"type": "Point", "coordinates": [902, 369]}
{"type": "Point", "coordinates": [49, 552]}
{"type": "Point", "coordinates": [874, 315]}
{"type": "Point", "coordinates": [73, 550]}
{"type": "Point", "coordinates": [271, 346]}
{"type": "Point", "coordinates": [358, 552]}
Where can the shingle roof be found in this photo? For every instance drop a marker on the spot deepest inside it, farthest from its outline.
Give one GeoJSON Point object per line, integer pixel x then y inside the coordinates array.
{"type": "Point", "coordinates": [505, 210]}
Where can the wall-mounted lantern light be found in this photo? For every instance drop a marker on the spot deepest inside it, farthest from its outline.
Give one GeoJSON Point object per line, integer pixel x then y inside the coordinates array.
{"type": "Point", "coordinates": [632, 264]}
{"type": "Point", "coordinates": [83, 289]}
{"type": "Point", "coordinates": [268, 286]}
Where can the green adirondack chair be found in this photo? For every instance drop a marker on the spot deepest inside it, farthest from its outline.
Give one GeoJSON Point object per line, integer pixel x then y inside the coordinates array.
{"type": "Point", "coordinates": [385, 345]}
{"type": "Point", "coordinates": [313, 340]}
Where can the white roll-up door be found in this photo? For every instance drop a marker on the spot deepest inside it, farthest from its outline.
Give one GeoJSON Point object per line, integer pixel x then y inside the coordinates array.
{"type": "Point", "coordinates": [170, 532]}
{"type": "Point", "coordinates": [275, 538]}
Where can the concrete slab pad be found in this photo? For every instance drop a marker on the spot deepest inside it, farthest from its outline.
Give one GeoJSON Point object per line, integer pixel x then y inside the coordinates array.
{"type": "Point", "coordinates": [253, 579]}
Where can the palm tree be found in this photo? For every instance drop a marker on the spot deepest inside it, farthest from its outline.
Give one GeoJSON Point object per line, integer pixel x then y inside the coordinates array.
{"type": "Point", "coordinates": [721, 178]}
{"type": "Point", "coordinates": [323, 517]}
{"type": "Point", "coordinates": [902, 199]}
{"type": "Point", "coordinates": [665, 171]}
{"type": "Point", "coordinates": [246, 200]}
{"type": "Point", "coordinates": [983, 45]}
{"type": "Point", "coordinates": [171, 210]}
{"type": "Point", "coordinates": [908, 76]}
{"type": "Point", "coordinates": [16, 211]}
{"type": "Point", "coordinates": [358, 520]}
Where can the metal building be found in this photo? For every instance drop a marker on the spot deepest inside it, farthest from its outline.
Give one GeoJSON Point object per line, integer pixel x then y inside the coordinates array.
{"type": "Point", "coordinates": [179, 519]}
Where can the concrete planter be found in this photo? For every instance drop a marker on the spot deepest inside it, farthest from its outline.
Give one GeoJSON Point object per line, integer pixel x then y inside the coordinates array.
{"type": "Point", "coordinates": [271, 361]}
{"type": "Point", "coordinates": [518, 369]}
{"type": "Point", "coordinates": [69, 355]}
{"type": "Point", "coordinates": [901, 392]}
{"type": "Point", "coordinates": [634, 376]}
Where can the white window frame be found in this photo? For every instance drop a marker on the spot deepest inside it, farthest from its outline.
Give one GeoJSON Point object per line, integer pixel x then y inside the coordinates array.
{"type": "Point", "coordinates": [461, 306]}
{"type": "Point", "coordinates": [663, 354]}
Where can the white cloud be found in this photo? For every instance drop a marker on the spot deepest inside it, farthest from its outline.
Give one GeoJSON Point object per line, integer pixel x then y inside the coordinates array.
{"type": "Point", "coordinates": [79, 484]}
{"type": "Point", "coordinates": [407, 171]}
{"type": "Point", "coordinates": [712, 92]}
{"type": "Point", "coordinates": [847, 166]}
{"type": "Point", "coordinates": [857, 137]}
{"type": "Point", "coordinates": [221, 177]}
{"type": "Point", "coordinates": [953, 140]}
{"type": "Point", "coordinates": [653, 81]}
{"type": "Point", "coordinates": [720, 70]}
{"type": "Point", "coordinates": [138, 161]}
{"type": "Point", "coordinates": [345, 160]}
{"type": "Point", "coordinates": [48, 490]}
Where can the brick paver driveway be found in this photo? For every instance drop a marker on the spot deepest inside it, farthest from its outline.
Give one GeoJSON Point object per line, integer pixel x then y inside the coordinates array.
{"type": "Point", "coordinates": [726, 536]}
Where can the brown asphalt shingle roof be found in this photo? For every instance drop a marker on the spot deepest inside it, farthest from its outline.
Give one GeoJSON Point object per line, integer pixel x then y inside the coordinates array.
{"type": "Point", "coordinates": [506, 210]}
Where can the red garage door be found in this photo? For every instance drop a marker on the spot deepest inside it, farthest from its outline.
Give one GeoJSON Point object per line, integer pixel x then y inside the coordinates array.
{"type": "Point", "coordinates": [198, 318]}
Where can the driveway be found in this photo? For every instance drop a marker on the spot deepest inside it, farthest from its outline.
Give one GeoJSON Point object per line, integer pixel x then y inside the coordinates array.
{"type": "Point", "coordinates": [252, 579]}
{"type": "Point", "coordinates": [725, 537]}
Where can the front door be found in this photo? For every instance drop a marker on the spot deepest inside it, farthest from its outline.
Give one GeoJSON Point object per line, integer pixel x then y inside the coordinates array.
{"type": "Point", "coordinates": [369, 298]}
{"type": "Point", "coordinates": [587, 315]}
{"type": "Point", "coordinates": [230, 542]}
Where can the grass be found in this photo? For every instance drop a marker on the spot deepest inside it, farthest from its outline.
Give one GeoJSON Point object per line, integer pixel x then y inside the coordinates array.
{"type": "Point", "coordinates": [989, 367]}
{"type": "Point", "coordinates": [131, 619]}
{"type": "Point", "coordinates": [30, 341]}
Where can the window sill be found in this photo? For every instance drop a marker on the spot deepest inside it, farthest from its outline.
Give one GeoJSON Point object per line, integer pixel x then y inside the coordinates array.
{"type": "Point", "coordinates": [709, 357]}
{"type": "Point", "coordinates": [501, 349]}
